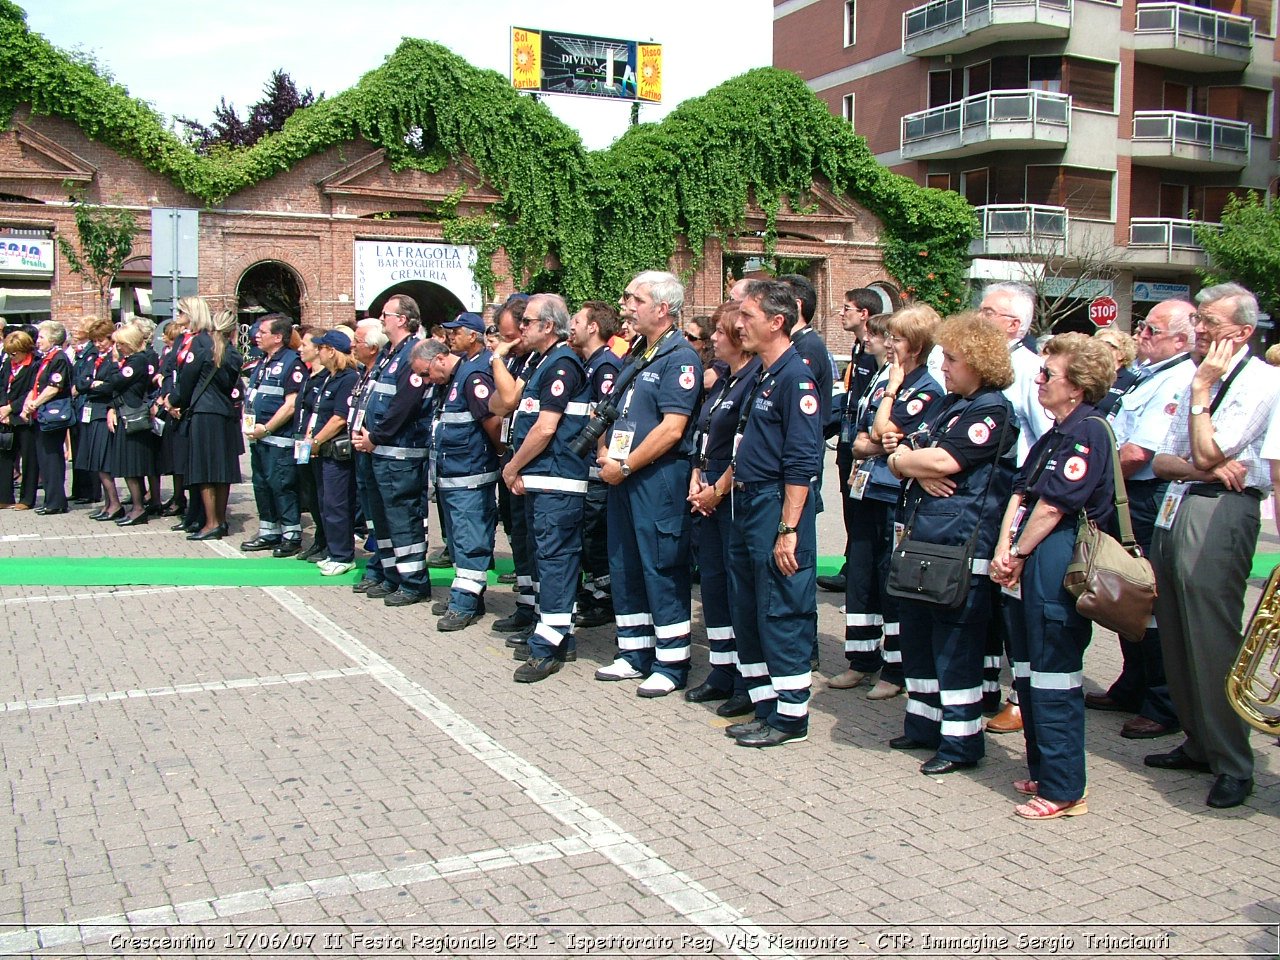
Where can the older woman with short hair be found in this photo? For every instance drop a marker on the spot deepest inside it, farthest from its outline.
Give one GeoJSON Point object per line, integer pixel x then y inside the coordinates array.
{"type": "Point", "coordinates": [955, 493]}
{"type": "Point", "coordinates": [17, 375]}
{"type": "Point", "coordinates": [1125, 350]}
{"type": "Point", "coordinates": [51, 390]}
{"type": "Point", "coordinates": [133, 455]}
{"type": "Point", "coordinates": [1067, 472]}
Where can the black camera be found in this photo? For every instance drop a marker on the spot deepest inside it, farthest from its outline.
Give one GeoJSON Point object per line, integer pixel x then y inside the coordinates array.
{"type": "Point", "coordinates": [584, 444]}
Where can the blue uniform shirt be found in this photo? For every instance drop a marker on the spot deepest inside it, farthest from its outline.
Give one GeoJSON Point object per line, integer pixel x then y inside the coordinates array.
{"type": "Point", "coordinates": [672, 383]}
{"type": "Point", "coordinates": [782, 439]}
{"type": "Point", "coordinates": [560, 385]}
{"type": "Point", "coordinates": [602, 372]}
{"type": "Point", "coordinates": [718, 418]}
{"type": "Point", "coordinates": [272, 381]}
{"type": "Point", "coordinates": [462, 447]}
{"type": "Point", "coordinates": [396, 413]}
{"type": "Point", "coordinates": [1070, 468]}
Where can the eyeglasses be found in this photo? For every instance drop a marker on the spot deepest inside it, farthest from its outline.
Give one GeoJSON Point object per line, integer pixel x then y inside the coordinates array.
{"type": "Point", "coordinates": [384, 315]}
{"type": "Point", "coordinates": [694, 338]}
{"type": "Point", "coordinates": [1210, 323]}
{"type": "Point", "coordinates": [990, 312]}
{"type": "Point", "coordinates": [1045, 374]}
{"type": "Point", "coordinates": [629, 297]}
{"type": "Point", "coordinates": [527, 321]}
{"type": "Point", "coordinates": [1147, 330]}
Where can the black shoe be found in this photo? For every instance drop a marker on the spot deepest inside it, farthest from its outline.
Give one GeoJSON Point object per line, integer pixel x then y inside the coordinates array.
{"type": "Point", "coordinates": [754, 725]}
{"type": "Point", "coordinates": [739, 705]}
{"type": "Point", "coordinates": [181, 525]}
{"type": "Point", "coordinates": [594, 616]}
{"type": "Point", "coordinates": [521, 638]}
{"type": "Point", "coordinates": [102, 516]}
{"type": "Point", "coordinates": [217, 533]}
{"type": "Point", "coordinates": [81, 501]}
{"type": "Point", "coordinates": [440, 558]}
{"type": "Point", "coordinates": [364, 585]}
{"type": "Point", "coordinates": [771, 737]}
{"type": "Point", "coordinates": [457, 620]}
{"type": "Point", "coordinates": [314, 553]}
{"type": "Point", "coordinates": [1175, 759]}
{"type": "Point", "coordinates": [1229, 792]}
{"type": "Point", "coordinates": [906, 743]}
{"type": "Point", "coordinates": [706, 693]}
{"type": "Point", "coordinates": [531, 671]}
{"type": "Point", "coordinates": [834, 584]}
{"type": "Point", "coordinates": [155, 510]}
{"type": "Point", "coordinates": [936, 766]}
{"type": "Point", "coordinates": [175, 509]}
{"type": "Point", "coordinates": [46, 512]}
{"type": "Point", "coordinates": [379, 590]}
{"type": "Point", "coordinates": [439, 608]}
{"type": "Point", "coordinates": [137, 521]}
{"type": "Point", "coordinates": [401, 598]}
{"type": "Point", "coordinates": [521, 651]}
{"type": "Point", "coordinates": [515, 623]}
{"type": "Point", "coordinates": [260, 543]}
{"type": "Point", "coordinates": [289, 547]}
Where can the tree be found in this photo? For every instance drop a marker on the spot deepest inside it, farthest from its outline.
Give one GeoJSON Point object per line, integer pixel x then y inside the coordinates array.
{"type": "Point", "coordinates": [106, 240]}
{"type": "Point", "coordinates": [1247, 248]}
{"type": "Point", "coordinates": [280, 98]}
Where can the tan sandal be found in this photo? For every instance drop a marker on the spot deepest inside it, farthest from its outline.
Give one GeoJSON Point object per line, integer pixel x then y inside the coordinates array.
{"type": "Point", "coordinates": [1028, 788]}
{"type": "Point", "coordinates": [1038, 808]}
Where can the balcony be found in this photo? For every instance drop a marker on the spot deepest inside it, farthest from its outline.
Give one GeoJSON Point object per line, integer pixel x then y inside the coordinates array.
{"type": "Point", "coordinates": [1162, 242]}
{"type": "Point", "coordinates": [999, 120]}
{"type": "Point", "coordinates": [1188, 141]}
{"type": "Point", "coordinates": [1020, 229]}
{"type": "Point", "coordinates": [1190, 38]}
{"type": "Point", "coordinates": [955, 26]}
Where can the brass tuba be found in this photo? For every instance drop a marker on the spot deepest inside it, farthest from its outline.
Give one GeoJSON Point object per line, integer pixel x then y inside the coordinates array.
{"type": "Point", "coordinates": [1253, 685]}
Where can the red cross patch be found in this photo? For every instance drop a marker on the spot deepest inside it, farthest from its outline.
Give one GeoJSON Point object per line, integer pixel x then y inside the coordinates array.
{"type": "Point", "coordinates": [1171, 408]}
{"type": "Point", "coordinates": [809, 404]}
{"type": "Point", "coordinates": [978, 433]}
{"type": "Point", "coordinates": [481, 391]}
{"type": "Point", "coordinates": [915, 406]}
{"type": "Point", "coordinates": [415, 380]}
{"type": "Point", "coordinates": [557, 388]}
{"type": "Point", "coordinates": [1075, 468]}
{"type": "Point", "coordinates": [687, 380]}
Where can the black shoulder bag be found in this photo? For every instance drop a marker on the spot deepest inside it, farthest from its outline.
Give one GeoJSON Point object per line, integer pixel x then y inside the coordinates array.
{"type": "Point", "coordinates": [933, 572]}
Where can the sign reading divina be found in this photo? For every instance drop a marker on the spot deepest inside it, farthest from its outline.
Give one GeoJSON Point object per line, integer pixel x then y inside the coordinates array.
{"type": "Point", "coordinates": [550, 61]}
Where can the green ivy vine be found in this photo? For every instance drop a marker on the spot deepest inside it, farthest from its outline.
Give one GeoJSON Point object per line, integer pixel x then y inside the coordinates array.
{"type": "Point", "coordinates": [603, 215]}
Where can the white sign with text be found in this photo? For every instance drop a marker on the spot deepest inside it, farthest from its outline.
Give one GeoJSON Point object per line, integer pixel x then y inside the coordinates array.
{"type": "Point", "coordinates": [380, 264]}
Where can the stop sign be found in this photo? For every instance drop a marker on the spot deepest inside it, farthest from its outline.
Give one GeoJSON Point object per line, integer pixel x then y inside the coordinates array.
{"type": "Point", "coordinates": [1104, 311]}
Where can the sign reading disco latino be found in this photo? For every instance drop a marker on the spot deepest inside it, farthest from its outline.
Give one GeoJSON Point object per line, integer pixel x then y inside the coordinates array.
{"type": "Point", "coordinates": [380, 264]}
{"type": "Point", "coordinates": [551, 61]}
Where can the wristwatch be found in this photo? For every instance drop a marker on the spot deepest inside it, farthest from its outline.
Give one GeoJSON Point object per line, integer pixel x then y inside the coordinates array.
{"type": "Point", "coordinates": [626, 469]}
{"type": "Point", "coordinates": [783, 528]}
{"type": "Point", "coordinates": [1016, 553]}
{"type": "Point", "coordinates": [1198, 408]}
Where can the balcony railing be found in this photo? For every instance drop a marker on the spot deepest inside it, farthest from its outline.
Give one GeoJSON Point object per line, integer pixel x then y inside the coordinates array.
{"type": "Point", "coordinates": [973, 117]}
{"type": "Point", "coordinates": [1170, 236]}
{"type": "Point", "coordinates": [1216, 140]}
{"type": "Point", "coordinates": [941, 14]}
{"type": "Point", "coordinates": [1033, 221]}
{"type": "Point", "coordinates": [1222, 36]}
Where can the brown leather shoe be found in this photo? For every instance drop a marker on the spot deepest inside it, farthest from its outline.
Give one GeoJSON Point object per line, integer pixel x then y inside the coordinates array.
{"type": "Point", "coordinates": [1144, 728]}
{"type": "Point", "coordinates": [1101, 701]}
{"type": "Point", "coordinates": [884, 690]}
{"type": "Point", "coordinates": [1008, 720]}
{"type": "Point", "coordinates": [847, 680]}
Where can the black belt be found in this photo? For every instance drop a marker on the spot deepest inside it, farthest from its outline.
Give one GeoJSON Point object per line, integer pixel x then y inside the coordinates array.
{"type": "Point", "coordinates": [756, 485]}
{"type": "Point", "coordinates": [1214, 490]}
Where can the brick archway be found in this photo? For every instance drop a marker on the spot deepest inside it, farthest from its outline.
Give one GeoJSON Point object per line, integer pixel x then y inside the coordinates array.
{"type": "Point", "coordinates": [269, 286]}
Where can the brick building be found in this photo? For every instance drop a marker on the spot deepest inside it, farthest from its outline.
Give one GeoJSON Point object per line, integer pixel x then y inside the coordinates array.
{"type": "Point", "coordinates": [1109, 127]}
{"type": "Point", "coordinates": [345, 229]}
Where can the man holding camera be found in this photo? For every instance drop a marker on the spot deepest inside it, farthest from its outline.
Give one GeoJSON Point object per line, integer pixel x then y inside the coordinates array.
{"type": "Point", "coordinates": [644, 458]}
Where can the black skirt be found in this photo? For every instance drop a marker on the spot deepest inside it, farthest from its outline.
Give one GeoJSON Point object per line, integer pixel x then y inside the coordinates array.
{"type": "Point", "coordinates": [132, 454]}
{"type": "Point", "coordinates": [213, 449]}
{"type": "Point", "coordinates": [93, 447]}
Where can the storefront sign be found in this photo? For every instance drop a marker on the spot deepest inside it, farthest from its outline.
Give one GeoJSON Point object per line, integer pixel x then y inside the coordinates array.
{"type": "Point", "coordinates": [380, 264]}
{"type": "Point", "coordinates": [25, 256]}
{"type": "Point", "coordinates": [1148, 291]}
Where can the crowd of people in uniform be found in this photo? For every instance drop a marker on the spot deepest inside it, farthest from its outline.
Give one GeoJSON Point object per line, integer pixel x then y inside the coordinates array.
{"type": "Point", "coordinates": [604, 446]}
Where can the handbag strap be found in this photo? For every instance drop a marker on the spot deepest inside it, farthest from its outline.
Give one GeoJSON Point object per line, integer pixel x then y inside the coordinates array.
{"type": "Point", "coordinates": [1120, 493]}
{"type": "Point", "coordinates": [995, 465]}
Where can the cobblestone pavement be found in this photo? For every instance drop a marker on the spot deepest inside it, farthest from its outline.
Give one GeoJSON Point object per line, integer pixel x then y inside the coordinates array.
{"type": "Point", "coordinates": [302, 771]}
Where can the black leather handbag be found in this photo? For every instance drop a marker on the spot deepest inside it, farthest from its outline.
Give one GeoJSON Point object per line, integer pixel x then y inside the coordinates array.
{"type": "Point", "coordinates": [135, 419]}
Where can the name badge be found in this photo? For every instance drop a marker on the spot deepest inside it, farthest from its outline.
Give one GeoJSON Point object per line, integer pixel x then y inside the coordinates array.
{"type": "Point", "coordinates": [86, 414]}
{"type": "Point", "coordinates": [898, 530]}
{"type": "Point", "coordinates": [847, 432]}
{"type": "Point", "coordinates": [1015, 591]}
{"type": "Point", "coordinates": [623, 436]}
{"type": "Point", "coordinates": [858, 485]}
{"type": "Point", "coordinates": [250, 421]}
{"type": "Point", "coordinates": [302, 451]}
{"type": "Point", "coordinates": [1169, 506]}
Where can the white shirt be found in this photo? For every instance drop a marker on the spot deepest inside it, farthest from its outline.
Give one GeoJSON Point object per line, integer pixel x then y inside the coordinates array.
{"type": "Point", "coordinates": [1241, 422]}
{"type": "Point", "coordinates": [1146, 411]}
{"type": "Point", "coordinates": [1032, 419]}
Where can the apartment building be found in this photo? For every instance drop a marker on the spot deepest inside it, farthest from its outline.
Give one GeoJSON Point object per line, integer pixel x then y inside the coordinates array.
{"type": "Point", "coordinates": [1092, 136]}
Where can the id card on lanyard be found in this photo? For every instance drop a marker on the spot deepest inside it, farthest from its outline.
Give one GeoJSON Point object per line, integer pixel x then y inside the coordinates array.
{"type": "Point", "coordinates": [624, 431]}
{"type": "Point", "coordinates": [1169, 506]}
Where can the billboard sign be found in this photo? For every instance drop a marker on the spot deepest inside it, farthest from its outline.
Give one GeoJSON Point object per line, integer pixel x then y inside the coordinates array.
{"type": "Point", "coordinates": [24, 255]}
{"type": "Point", "coordinates": [380, 264]}
{"type": "Point", "coordinates": [551, 61]}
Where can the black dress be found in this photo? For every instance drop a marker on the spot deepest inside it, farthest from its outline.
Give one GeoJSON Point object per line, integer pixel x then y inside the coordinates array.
{"type": "Point", "coordinates": [92, 452]}
{"type": "Point", "coordinates": [172, 436]}
{"type": "Point", "coordinates": [213, 428]}
{"type": "Point", "coordinates": [15, 384]}
{"type": "Point", "coordinates": [132, 454]}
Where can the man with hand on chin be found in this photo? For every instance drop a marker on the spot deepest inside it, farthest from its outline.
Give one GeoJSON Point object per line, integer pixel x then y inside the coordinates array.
{"type": "Point", "coordinates": [773, 546]}
{"type": "Point", "coordinates": [1206, 532]}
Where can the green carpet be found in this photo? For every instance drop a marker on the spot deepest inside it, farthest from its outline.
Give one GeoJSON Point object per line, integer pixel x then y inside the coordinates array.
{"type": "Point", "coordinates": [263, 572]}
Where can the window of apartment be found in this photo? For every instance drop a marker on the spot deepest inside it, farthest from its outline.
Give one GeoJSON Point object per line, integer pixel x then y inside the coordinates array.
{"type": "Point", "coordinates": [1091, 83]}
{"type": "Point", "coordinates": [1174, 201]}
{"type": "Point", "coordinates": [938, 181]}
{"type": "Point", "coordinates": [977, 78]}
{"type": "Point", "coordinates": [1044, 73]}
{"type": "Point", "coordinates": [940, 85]}
{"type": "Point", "coordinates": [846, 108]}
{"type": "Point", "coordinates": [1087, 194]}
{"type": "Point", "coordinates": [850, 22]}
{"type": "Point", "coordinates": [974, 186]}
{"type": "Point", "coordinates": [1250, 104]}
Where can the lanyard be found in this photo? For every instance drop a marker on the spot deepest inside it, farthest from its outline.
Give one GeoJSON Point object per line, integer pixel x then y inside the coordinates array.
{"type": "Point", "coordinates": [643, 361]}
{"type": "Point", "coordinates": [729, 383]}
{"type": "Point", "coordinates": [745, 413]}
{"type": "Point", "coordinates": [1226, 384]}
{"type": "Point", "coordinates": [864, 401]}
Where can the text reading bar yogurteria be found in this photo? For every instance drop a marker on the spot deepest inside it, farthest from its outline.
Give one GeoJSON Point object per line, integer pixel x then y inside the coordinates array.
{"type": "Point", "coordinates": [550, 61]}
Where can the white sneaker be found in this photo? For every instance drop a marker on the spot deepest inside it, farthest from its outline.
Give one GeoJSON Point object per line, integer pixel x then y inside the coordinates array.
{"type": "Point", "coordinates": [334, 568]}
{"type": "Point", "coordinates": [618, 670]}
{"type": "Point", "coordinates": [656, 685]}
